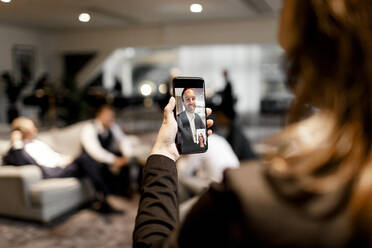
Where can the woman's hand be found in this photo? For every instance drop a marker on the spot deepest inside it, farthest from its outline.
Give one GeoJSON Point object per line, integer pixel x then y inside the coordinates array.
{"type": "Point", "coordinates": [165, 141]}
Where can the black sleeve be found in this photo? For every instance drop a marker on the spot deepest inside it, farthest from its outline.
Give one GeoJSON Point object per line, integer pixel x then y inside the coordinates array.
{"type": "Point", "coordinates": [157, 214]}
{"type": "Point", "coordinates": [214, 221]}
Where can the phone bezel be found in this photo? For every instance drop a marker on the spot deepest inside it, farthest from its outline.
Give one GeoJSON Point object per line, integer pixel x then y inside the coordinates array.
{"type": "Point", "coordinates": [190, 82]}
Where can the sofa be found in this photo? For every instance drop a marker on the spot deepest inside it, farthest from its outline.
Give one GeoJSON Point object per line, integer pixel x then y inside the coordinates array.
{"type": "Point", "coordinates": [23, 192]}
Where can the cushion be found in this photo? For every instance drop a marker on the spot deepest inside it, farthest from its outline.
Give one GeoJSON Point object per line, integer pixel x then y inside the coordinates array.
{"type": "Point", "coordinates": [52, 191]}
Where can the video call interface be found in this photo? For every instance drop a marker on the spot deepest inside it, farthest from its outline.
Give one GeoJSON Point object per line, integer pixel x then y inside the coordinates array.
{"type": "Point", "coordinates": [191, 120]}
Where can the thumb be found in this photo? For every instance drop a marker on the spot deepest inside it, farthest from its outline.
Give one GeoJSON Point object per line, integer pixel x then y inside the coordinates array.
{"type": "Point", "coordinates": [168, 110]}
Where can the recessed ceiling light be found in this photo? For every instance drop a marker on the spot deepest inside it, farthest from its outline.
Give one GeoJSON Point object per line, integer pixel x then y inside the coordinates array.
{"type": "Point", "coordinates": [196, 8]}
{"type": "Point", "coordinates": [6, 1]}
{"type": "Point", "coordinates": [84, 17]}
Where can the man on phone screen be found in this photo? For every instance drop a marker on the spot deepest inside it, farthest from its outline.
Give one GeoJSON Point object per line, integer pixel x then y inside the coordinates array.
{"type": "Point", "coordinates": [188, 122]}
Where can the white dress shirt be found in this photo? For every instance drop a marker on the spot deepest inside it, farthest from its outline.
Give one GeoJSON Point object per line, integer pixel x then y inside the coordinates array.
{"type": "Point", "coordinates": [90, 142]}
{"type": "Point", "coordinates": [43, 154]}
{"type": "Point", "coordinates": [209, 166]}
{"type": "Point", "coordinates": [191, 117]}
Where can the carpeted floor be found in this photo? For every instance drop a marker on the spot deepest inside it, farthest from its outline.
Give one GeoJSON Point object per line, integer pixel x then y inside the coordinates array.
{"type": "Point", "coordinates": [84, 228]}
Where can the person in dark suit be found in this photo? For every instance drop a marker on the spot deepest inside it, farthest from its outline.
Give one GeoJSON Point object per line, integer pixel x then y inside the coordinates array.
{"type": "Point", "coordinates": [188, 122]}
{"type": "Point", "coordinates": [107, 146]}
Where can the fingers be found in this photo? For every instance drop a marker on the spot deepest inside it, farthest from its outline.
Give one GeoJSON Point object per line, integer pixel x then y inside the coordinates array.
{"type": "Point", "coordinates": [209, 111]}
{"type": "Point", "coordinates": [209, 123]}
{"type": "Point", "coordinates": [209, 132]}
{"type": "Point", "coordinates": [168, 110]}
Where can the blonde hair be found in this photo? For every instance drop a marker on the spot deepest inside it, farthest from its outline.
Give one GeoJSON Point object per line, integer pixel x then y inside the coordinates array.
{"type": "Point", "coordinates": [23, 124]}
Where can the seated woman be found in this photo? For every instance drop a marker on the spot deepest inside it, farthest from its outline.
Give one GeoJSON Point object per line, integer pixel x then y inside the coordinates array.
{"type": "Point", "coordinates": [315, 189]}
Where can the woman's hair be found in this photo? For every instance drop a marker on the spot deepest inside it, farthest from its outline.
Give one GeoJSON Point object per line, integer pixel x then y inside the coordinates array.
{"type": "Point", "coordinates": [330, 67]}
{"type": "Point", "coordinates": [331, 56]}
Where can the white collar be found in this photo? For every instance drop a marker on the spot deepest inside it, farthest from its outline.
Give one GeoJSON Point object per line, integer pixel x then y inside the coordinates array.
{"type": "Point", "coordinates": [190, 115]}
{"type": "Point", "coordinates": [99, 127]}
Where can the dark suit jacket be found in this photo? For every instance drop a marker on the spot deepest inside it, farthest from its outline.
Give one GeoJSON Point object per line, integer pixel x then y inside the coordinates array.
{"type": "Point", "coordinates": [184, 134]}
{"type": "Point", "coordinates": [243, 211]}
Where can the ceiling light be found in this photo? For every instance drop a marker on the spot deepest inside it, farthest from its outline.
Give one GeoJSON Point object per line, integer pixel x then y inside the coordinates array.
{"type": "Point", "coordinates": [6, 1]}
{"type": "Point", "coordinates": [196, 8]}
{"type": "Point", "coordinates": [84, 17]}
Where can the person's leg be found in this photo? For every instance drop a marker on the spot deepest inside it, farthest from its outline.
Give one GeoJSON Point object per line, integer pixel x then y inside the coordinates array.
{"type": "Point", "coordinates": [128, 181]}
{"type": "Point", "coordinates": [80, 167]}
{"type": "Point", "coordinates": [93, 170]}
{"type": "Point", "coordinates": [70, 170]}
{"type": "Point", "coordinates": [97, 173]}
{"type": "Point", "coordinates": [135, 175]}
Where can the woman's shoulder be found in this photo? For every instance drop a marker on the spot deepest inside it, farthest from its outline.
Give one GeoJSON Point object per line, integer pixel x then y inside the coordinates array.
{"type": "Point", "coordinates": [266, 213]}
{"type": "Point", "coordinates": [248, 181]}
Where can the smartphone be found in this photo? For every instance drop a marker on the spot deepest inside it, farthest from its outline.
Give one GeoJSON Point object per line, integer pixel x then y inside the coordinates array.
{"type": "Point", "coordinates": [190, 114]}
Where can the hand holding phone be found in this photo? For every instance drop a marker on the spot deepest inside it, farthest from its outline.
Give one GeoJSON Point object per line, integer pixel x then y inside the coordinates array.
{"type": "Point", "coordinates": [190, 114]}
{"type": "Point", "coordinates": [165, 143]}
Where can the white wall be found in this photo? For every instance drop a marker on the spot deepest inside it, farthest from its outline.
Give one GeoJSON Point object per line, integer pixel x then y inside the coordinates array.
{"type": "Point", "coordinates": [254, 31]}
{"type": "Point", "coordinates": [49, 46]}
{"type": "Point", "coordinates": [243, 63]}
{"type": "Point", "coordinates": [104, 42]}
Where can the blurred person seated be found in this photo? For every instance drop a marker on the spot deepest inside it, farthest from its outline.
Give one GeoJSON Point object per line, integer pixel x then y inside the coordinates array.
{"type": "Point", "coordinates": [197, 171]}
{"type": "Point", "coordinates": [315, 189]}
{"type": "Point", "coordinates": [104, 143]}
{"type": "Point", "coordinates": [27, 149]}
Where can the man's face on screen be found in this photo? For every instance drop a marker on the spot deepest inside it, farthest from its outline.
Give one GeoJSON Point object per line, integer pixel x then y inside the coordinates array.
{"type": "Point", "coordinates": [189, 100]}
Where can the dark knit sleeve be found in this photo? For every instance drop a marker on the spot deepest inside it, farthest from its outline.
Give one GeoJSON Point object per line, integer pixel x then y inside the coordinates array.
{"type": "Point", "coordinates": [214, 221]}
{"type": "Point", "coordinates": [157, 214]}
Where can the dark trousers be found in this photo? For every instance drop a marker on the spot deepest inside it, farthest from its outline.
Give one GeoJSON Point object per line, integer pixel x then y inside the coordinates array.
{"type": "Point", "coordinates": [99, 174]}
{"type": "Point", "coordinates": [126, 182]}
{"type": "Point", "coordinates": [80, 167]}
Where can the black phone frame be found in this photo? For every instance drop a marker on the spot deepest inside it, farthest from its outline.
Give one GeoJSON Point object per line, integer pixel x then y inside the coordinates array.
{"type": "Point", "coordinates": [190, 82]}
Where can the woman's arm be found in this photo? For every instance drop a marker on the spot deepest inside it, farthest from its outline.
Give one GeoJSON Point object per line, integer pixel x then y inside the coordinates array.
{"type": "Point", "coordinates": [157, 216]}
{"type": "Point", "coordinates": [158, 209]}
{"type": "Point", "coordinates": [214, 221]}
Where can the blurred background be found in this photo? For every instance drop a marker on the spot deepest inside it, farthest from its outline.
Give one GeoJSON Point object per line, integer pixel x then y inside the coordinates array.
{"type": "Point", "coordinates": [61, 59]}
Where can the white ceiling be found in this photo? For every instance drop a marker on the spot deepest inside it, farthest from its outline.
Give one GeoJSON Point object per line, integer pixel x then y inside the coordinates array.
{"type": "Point", "coordinates": [63, 14]}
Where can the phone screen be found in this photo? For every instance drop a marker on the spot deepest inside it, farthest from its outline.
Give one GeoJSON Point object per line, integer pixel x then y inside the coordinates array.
{"type": "Point", "coordinates": [190, 114]}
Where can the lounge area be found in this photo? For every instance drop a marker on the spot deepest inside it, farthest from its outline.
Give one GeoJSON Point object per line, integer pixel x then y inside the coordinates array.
{"type": "Point", "coordinates": [80, 227]}
{"type": "Point", "coordinates": [57, 212]}
{"type": "Point", "coordinates": [26, 195]}
{"type": "Point", "coordinates": [217, 123]}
